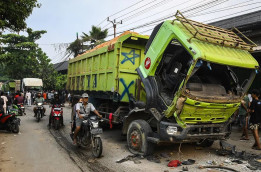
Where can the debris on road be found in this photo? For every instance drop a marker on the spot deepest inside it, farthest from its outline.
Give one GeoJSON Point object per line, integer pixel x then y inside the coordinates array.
{"type": "Point", "coordinates": [218, 167]}
{"type": "Point", "coordinates": [174, 163]}
{"type": "Point", "coordinates": [188, 162]}
{"type": "Point", "coordinates": [184, 168]}
{"type": "Point", "coordinates": [210, 162]}
{"type": "Point", "coordinates": [230, 150]}
{"type": "Point", "coordinates": [135, 158]}
{"type": "Point", "coordinates": [3, 143]}
{"type": "Point", "coordinates": [154, 158]}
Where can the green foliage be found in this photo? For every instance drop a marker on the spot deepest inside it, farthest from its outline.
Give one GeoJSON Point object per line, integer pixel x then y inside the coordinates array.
{"type": "Point", "coordinates": [21, 58]}
{"type": "Point", "coordinates": [13, 13]}
{"type": "Point", "coordinates": [96, 36]}
{"type": "Point", "coordinates": [61, 81]}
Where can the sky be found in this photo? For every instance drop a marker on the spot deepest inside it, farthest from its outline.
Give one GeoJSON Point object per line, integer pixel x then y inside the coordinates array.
{"type": "Point", "coordinates": [62, 19]}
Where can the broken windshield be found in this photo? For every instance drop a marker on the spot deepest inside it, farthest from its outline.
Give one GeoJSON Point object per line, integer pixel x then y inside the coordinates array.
{"type": "Point", "coordinates": [209, 80]}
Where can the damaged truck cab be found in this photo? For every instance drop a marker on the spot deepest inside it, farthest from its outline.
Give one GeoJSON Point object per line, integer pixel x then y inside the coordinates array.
{"type": "Point", "coordinates": [195, 76]}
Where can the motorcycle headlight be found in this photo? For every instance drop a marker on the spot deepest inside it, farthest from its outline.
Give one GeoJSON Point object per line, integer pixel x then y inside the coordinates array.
{"type": "Point", "coordinates": [95, 124]}
{"type": "Point", "coordinates": [39, 104]}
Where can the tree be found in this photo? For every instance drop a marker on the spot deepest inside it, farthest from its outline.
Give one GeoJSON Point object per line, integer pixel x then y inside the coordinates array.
{"type": "Point", "coordinates": [96, 36]}
{"type": "Point", "coordinates": [22, 58]}
{"type": "Point", "coordinates": [13, 13]}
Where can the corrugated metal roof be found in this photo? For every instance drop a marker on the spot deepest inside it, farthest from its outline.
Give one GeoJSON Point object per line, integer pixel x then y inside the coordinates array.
{"type": "Point", "coordinates": [239, 21]}
{"type": "Point", "coordinates": [61, 66]}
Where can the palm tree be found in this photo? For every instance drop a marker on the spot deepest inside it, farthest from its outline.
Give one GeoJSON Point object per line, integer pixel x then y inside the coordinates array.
{"type": "Point", "coordinates": [96, 36]}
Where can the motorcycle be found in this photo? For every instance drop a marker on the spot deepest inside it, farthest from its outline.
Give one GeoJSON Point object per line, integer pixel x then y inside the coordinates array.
{"type": "Point", "coordinates": [39, 111]}
{"type": "Point", "coordinates": [9, 122]}
{"type": "Point", "coordinates": [56, 116]}
{"type": "Point", "coordinates": [20, 108]}
{"type": "Point", "coordinates": [90, 135]}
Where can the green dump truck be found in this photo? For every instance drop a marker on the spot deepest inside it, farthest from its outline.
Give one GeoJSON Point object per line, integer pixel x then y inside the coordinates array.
{"type": "Point", "coordinates": [181, 84]}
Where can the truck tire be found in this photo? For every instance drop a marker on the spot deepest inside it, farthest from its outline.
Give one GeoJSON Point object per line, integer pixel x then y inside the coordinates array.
{"type": "Point", "coordinates": [205, 143]}
{"type": "Point", "coordinates": [137, 134]}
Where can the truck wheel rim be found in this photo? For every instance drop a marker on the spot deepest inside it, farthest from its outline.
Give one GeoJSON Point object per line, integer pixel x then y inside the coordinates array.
{"type": "Point", "coordinates": [135, 139]}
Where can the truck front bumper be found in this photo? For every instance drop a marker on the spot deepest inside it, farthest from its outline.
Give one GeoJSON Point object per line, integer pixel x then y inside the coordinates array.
{"type": "Point", "coordinates": [191, 133]}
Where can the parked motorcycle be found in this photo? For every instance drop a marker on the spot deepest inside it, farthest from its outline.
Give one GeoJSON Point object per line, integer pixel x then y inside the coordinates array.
{"type": "Point", "coordinates": [90, 135]}
{"type": "Point", "coordinates": [20, 108]}
{"type": "Point", "coordinates": [39, 111]}
{"type": "Point", "coordinates": [56, 116]}
{"type": "Point", "coordinates": [9, 122]}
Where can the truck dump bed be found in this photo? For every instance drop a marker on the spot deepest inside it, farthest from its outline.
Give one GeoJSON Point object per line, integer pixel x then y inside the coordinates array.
{"type": "Point", "coordinates": [109, 70]}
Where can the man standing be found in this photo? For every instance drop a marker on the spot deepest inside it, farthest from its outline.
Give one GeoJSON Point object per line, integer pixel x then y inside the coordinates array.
{"type": "Point", "coordinates": [5, 101]}
{"type": "Point", "coordinates": [28, 97]}
{"type": "Point", "coordinates": [243, 116]}
{"type": "Point", "coordinates": [255, 119]}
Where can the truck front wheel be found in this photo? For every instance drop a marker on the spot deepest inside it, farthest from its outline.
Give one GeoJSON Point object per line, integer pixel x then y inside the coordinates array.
{"type": "Point", "coordinates": [205, 143]}
{"type": "Point", "coordinates": [137, 134]}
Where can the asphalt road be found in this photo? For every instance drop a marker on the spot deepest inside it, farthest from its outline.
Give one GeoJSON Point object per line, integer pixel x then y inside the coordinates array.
{"type": "Point", "coordinates": [36, 148]}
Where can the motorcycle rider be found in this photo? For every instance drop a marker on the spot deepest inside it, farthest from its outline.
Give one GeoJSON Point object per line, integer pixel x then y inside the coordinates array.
{"type": "Point", "coordinates": [83, 110]}
{"type": "Point", "coordinates": [53, 102]}
{"type": "Point", "coordinates": [39, 99]}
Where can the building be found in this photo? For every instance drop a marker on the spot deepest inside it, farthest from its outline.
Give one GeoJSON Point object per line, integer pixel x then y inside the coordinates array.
{"type": "Point", "coordinates": [61, 67]}
{"type": "Point", "coordinates": [250, 25]}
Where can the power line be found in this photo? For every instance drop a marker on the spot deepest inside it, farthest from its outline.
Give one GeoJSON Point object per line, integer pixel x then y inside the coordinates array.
{"type": "Point", "coordinates": [119, 12]}
{"type": "Point", "coordinates": [156, 13]}
{"type": "Point", "coordinates": [172, 15]}
{"type": "Point", "coordinates": [147, 9]}
{"type": "Point", "coordinates": [231, 14]}
{"type": "Point", "coordinates": [136, 9]}
{"type": "Point", "coordinates": [224, 9]}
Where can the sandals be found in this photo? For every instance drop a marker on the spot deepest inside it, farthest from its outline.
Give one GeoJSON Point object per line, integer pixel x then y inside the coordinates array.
{"type": "Point", "coordinates": [243, 138]}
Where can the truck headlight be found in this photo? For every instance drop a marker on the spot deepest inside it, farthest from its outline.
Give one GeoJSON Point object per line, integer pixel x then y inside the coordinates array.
{"type": "Point", "coordinates": [171, 130]}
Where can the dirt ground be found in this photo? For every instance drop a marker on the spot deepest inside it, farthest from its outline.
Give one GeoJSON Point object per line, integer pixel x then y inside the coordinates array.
{"type": "Point", "coordinates": [36, 148]}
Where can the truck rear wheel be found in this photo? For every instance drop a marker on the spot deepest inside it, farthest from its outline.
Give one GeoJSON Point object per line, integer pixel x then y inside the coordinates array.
{"type": "Point", "coordinates": [137, 134]}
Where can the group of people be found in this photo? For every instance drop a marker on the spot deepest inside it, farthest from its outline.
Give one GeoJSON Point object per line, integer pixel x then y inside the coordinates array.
{"type": "Point", "coordinates": [7, 100]}
{"type": "Point", "coordinates": [250, 116]}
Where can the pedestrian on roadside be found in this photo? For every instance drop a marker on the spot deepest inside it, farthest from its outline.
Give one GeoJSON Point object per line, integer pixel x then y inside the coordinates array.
{"type": "Point", "coordinates": [10, 102]}
{"type": "Point", "coordinates": [5, 101]}
{"type": "Point", "coordinates": [243, 117]}
{"type": "Point", "coordinates": [44, 96]}
{"type": "Point", "coordinates": [255, 118]}
{"type": "Point", "coordinates": [69, 98]}
{"type": "Point", "coordinates": [28, 98]}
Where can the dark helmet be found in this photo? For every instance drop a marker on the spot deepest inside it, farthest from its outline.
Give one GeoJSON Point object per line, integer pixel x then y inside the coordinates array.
{"type": "Point", "coordinates": [56, 94]}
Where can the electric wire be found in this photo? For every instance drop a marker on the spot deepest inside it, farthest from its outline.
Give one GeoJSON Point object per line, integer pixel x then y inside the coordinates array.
{"type": "Point", "coordinates": [172, 15]}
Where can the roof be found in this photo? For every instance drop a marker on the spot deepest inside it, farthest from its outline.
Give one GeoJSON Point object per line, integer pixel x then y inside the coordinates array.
{"type": "Point", "coordinates": [61, 66]}
{"type": "Point", "coordinates": [240, 21]}
{"type": "Point", "coordinates": [33, 82]}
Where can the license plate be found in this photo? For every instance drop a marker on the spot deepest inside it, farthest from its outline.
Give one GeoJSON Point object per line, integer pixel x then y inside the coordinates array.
{"type": "Point", "coordinates": [96, 131]}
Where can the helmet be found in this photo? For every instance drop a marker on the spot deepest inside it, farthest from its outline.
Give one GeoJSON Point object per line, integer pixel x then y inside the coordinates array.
{"type": "Point", "coordinates": [55, 93]}
{"type": "Point", "coordinates": [84, 95]}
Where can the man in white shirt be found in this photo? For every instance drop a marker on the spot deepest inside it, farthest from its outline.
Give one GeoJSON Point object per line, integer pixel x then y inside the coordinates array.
{"type": "Point", "coordinates": [82, 110]}
{"type": "Point", "coordinates": [5, 100]}
{"type": "Point", "coordinates": [28, 98]}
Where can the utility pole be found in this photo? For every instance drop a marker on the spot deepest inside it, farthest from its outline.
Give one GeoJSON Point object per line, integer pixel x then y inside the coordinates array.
{"type": "Point", "coordinates": [114, 23]}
